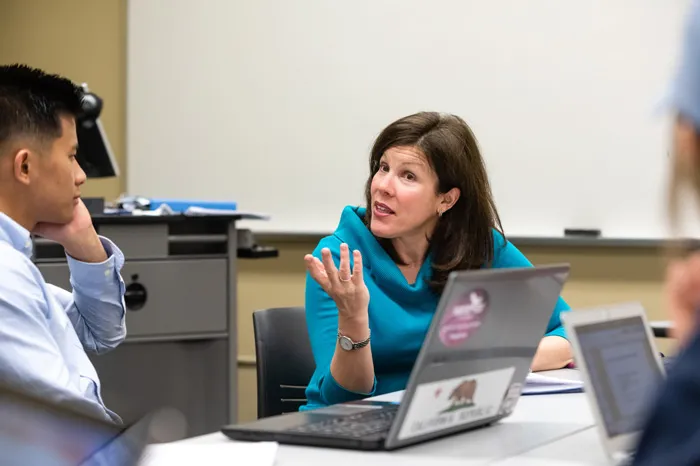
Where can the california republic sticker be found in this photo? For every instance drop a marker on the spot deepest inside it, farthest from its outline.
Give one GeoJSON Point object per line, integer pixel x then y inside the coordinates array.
{"type": "Point", "coordinates": [464, 317]}
{"type": "Point", "coordinates": [463, 400]}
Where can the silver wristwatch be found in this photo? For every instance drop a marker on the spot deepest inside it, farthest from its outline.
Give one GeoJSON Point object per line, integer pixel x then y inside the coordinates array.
{"type": "Point", "coordinates": [348, 345]}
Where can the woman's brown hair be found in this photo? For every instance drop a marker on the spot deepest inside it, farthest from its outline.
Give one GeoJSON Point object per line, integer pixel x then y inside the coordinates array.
{"type": "Point", "coordinates": [463, 237]}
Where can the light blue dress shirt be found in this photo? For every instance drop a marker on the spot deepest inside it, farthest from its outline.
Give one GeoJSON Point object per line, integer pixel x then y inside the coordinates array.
{"type": "Point", "coordinates": [45, 331]}
{"type": "Point", "coordinates": [684, 97]}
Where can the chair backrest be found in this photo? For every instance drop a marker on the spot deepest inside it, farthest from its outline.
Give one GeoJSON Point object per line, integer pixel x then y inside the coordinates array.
{"type": "Point", "coordinates": [283, 358]}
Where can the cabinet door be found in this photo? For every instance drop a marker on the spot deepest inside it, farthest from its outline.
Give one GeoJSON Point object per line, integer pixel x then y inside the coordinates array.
{"type": "Point", "coordinates": [190, 376]}
{"type": "Point", "coordinates": [166, 297]}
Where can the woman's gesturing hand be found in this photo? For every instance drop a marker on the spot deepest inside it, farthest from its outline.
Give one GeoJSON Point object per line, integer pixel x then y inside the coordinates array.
{"type": "Point", "coordinates": [347, 288]}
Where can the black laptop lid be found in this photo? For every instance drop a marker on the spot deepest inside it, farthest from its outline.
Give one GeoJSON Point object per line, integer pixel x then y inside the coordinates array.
{"type": "Point", "coordinates": [495, 314]}
{"type": "Point", "coordinates": [478, 352]}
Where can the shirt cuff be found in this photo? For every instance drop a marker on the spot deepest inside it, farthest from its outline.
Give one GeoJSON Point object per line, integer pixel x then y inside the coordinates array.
{"type": "Point", "coordinates": [333, 393]}
{"type": "Point", "coordinates": [557, 332]}
{"type": "Point", "coordinates": [92, 277]}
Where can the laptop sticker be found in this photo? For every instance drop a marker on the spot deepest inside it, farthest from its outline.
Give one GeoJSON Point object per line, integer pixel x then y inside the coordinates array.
{"type": "Point", "coordinates": [454, 402]}
{"type": "Point", "coordinates": [464, 317]}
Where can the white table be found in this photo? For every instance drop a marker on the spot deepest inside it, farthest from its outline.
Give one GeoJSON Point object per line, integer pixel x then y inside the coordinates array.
{"type": "Point", "coordinates": [581, 448]}
{"type": "Point", "coordinates": [538, 421]}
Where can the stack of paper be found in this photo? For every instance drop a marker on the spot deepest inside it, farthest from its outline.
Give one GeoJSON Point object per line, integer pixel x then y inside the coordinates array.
{"type": "Point", "coordinates": [541, 384]}
{"type": "Point", "coordinates": [196, 211]}
{"type": "Point", "coordinates": [211, 454]}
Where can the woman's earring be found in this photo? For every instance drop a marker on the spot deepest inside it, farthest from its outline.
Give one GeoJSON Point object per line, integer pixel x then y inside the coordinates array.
{"type": "Point", "coordinates": [439, 213]}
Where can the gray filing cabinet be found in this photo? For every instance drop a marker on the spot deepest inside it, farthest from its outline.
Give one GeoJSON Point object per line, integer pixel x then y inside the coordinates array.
{"type": "Point", "coordinates": [181, 348]}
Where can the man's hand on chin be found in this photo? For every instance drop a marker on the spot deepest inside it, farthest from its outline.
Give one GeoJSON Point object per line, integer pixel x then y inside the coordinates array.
{"type": "Point", "coordinates": [78, 237]}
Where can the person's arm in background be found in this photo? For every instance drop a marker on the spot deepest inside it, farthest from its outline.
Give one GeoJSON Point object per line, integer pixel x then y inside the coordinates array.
{"type": "Point", "coordinates": [671, 434]}
{"type": "Point", "coordinates": [672, 430]}
{"type": "Point", "coordinates": [554, 350]}
{"type": "Point", "coordinates": [340, 375]}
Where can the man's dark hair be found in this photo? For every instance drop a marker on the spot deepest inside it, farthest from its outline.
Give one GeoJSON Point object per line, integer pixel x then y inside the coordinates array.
{"type": "Point", "coordinates": [32, 102]}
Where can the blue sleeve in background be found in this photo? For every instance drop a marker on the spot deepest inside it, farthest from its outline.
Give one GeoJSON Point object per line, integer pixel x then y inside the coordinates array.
{"type": "Point", "coordinates": [322, 324]}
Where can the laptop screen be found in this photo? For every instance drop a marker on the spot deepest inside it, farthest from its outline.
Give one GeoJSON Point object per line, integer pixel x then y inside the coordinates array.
{"type": "Point", "coordinates": [622, 370]}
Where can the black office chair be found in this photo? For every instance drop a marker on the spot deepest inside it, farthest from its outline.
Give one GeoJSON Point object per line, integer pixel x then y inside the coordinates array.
{"type": "Point", "coordinates": [284, 359]}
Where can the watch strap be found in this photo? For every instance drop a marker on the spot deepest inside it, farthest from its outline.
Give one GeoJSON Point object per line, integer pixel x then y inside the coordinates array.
{"type": "Point", "coordinates": [356, 344]}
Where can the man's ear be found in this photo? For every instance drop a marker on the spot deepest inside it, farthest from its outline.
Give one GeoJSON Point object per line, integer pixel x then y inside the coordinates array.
{"type": "Point", "coordinates": [21, 165]}
{"type": "Point", "coordinates": [449, 199]}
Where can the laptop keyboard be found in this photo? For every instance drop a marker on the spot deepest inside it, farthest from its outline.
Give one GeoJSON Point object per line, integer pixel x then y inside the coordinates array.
{"type": "Point", "coordinates": [357, 425]}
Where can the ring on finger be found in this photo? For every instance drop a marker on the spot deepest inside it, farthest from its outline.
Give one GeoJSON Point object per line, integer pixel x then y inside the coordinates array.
{"type": "Point", "coordinates": [344, 279]}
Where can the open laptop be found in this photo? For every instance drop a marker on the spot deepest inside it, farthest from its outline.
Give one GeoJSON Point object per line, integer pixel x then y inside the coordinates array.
{"type": "Point", "coordinates": [34, 432]}
{"type": "Point", "coordinates": [621, 369]}
{"type": "Point", "coordinates": [469, 372]}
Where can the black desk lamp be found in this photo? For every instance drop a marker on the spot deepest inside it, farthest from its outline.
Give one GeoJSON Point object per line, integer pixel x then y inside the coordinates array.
{"type": "Point", "coordinates": [95, 154]}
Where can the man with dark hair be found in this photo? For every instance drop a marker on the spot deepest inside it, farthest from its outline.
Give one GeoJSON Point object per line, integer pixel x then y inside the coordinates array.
{"type": "Point", "coordinates": [45, 331]}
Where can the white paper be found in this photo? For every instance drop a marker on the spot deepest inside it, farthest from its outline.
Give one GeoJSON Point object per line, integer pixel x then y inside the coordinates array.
{"type": "Point", "coordinates": [212, 454]}
{"type": "Point", "coordinates": [197, 211]}
{"type": "Point", "coordinates": [161, 211]}
{"type": "Point", "coordinates": [540, 384]}
{"type": "Point", "coordinates": [393, 397]}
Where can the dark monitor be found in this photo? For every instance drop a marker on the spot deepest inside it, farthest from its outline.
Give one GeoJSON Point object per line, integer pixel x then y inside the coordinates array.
{"type": "Point", "coordinates": [95, 154]}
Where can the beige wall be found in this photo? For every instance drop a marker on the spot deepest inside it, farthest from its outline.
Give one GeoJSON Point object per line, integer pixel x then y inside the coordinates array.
{"type": "Point", "coordinates": [86, 41]}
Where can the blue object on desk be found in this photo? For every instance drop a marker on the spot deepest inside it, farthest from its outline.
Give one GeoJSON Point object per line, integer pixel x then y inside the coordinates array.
{"type": "Point", "coordinates": [181, 205]}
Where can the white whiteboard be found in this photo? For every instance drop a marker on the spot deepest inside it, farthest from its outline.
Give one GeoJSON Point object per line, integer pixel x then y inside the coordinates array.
{"type": "Point", "coordinates": [275, 104]}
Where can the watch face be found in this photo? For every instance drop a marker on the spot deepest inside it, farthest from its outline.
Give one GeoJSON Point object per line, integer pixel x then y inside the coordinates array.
{"type": "Point", "coordinates": [345, 343]}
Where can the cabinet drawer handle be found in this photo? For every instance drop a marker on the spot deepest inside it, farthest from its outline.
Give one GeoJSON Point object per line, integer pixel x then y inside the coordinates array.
{"type": "Point", "coordinates": [135, 295]}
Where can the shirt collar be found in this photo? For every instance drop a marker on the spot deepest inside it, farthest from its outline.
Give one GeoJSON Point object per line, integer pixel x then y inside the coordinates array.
{"type": "Point", "coordinates": [15, 234]}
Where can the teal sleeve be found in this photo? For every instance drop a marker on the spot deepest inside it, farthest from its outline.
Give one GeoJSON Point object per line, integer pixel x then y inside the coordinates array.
{"type": "Point", "coordinates": [322, 325]}
{"type": "Point", "coordinates": [506, 255]}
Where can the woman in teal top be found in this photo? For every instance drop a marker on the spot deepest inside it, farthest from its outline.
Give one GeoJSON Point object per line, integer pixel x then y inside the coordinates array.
{"type": "Point", "coordinates": [430, 212]}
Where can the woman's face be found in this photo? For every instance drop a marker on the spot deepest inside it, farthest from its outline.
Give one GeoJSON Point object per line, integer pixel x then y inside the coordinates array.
{"type": "Point", "coordinates": [404, 195]}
